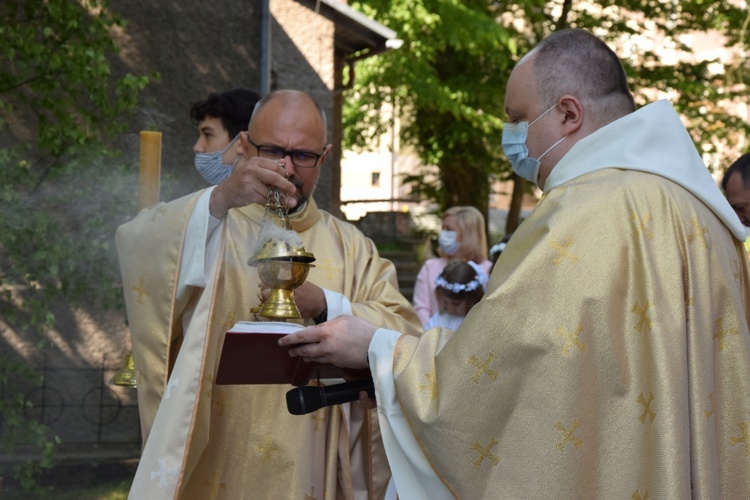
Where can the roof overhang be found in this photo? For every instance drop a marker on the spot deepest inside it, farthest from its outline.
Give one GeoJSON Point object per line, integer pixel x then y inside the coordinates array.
{"type": "Point", "coordinates": [356, 35]}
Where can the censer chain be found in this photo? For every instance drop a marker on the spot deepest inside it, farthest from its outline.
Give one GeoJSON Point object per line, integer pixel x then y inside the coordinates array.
{"type": "Point", "coordinates": [277, 206]}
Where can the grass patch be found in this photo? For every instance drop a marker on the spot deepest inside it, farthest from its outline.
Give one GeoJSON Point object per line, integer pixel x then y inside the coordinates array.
{"type": "Point", "coordinates": [113, 490]}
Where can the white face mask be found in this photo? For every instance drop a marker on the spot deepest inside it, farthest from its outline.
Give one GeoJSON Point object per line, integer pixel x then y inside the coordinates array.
{"type": "Point", "coordinates": [212, 167]}
{"type": "Point", "coordinates": [514, 147]}
{"type": "Point", "coordinates": [447, 242]}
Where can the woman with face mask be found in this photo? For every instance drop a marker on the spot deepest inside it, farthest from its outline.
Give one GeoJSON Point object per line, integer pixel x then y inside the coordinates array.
{"type": "Point", "coordinates": [220, 119]}
{"type": "Point", "coordinates": [462, 237]}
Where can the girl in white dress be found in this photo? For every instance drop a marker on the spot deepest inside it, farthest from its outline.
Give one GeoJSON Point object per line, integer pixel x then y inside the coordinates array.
{"type": "Point", "coordinates": [457, 289]}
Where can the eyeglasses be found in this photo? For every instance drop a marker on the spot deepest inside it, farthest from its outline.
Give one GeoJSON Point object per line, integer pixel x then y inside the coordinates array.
{"type": "Point", "coordinates": [303, 159]}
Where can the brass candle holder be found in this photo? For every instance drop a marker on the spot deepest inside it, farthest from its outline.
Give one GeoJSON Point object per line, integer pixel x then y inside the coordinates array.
{"type": "Point", "coordinates": [281, 259]}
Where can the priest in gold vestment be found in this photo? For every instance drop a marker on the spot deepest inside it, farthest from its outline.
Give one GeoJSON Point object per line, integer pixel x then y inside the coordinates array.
{"type": "Point", "coordinates": [186, 281]}
{"type": "Point", "coordinates": [610, 356]}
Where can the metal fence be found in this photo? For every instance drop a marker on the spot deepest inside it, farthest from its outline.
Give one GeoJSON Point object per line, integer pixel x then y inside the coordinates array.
{"type": "Point", "coordinates": [78, 405]}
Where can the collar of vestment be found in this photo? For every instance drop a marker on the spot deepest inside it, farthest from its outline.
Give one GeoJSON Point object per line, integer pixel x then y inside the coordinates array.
{"type": "Point", "coordinates": [301, 220]}
{"type": "Point", "coordinates": [654, 140]}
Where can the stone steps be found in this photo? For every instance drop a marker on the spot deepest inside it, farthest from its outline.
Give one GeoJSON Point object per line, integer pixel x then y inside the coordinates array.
{"type": "Point", "coordinates": [407, 267]}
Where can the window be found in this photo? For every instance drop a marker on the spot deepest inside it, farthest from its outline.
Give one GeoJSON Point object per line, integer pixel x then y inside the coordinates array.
{"type": "Point", "coordinates": [375, 180]}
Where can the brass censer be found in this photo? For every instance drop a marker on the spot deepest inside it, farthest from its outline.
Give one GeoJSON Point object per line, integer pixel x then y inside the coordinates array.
{"type": "Point", "coordinates": [281, 260]}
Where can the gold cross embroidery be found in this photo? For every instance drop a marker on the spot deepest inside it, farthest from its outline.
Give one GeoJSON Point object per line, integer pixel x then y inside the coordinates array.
{"type": "Point", "coordinates": [485, 453]}
{"type": "Point", "coordinates": [208, 386]}
{"type": "Point", "coordinates": [710, 411]}
{"type": "Point", "coordinates": [637, 495]}
{"type": "Point", "coordinates": [215, 484]}
{"type": "Point", "coordinates": [267, 449]}
{"type": "Point", "coordinates": [326, 267]}
{"type": "Point", "coordinates": [647, 411]}
{"type": "Point", "coordinates": [721, 334]}
{"type": "Point", "coordinates": [744, 438]}
{"type": "Point", "coordinates": [219, 401]}
{"type": "Point", "coordinates": [318, 417]}
{"type": "Point", "coordinates": [141, 289]}
{"type": "Point", "coordinates": [572, 339]}
{"type": "Point", "coordinates": [688, 299]}
{"type": "Point", "coordinates": [644, 323]}
{"type": "Point", "coordinates": [231, 246]}
{"type": "Point", "coordinates": [431, 385]}
{"type": "Point", "coordinates": [229, 322]}
{"type": "Point", "coordinates": [563, 251]}
{"type": "Point", "coordinates": [483, 367]}
{"type": "Point", "coordinates": [700, 232]}
{"type": "Point", "coordinates": [640, 225]}
{"type": "Point", "coordinates": [568, 435]}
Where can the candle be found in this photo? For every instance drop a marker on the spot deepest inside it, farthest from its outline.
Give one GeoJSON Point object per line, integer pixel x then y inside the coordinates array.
{"type": "Point", "coordinates": [150, 170]}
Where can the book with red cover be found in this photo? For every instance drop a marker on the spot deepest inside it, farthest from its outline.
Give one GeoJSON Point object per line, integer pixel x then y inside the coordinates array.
{"type": "Point", "coordinates": [251, 355]}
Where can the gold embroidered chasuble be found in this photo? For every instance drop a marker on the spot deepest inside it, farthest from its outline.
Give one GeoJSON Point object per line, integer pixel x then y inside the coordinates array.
{"type": "Point", "coordinates": [610, 357]}
{"type": "Point", "coordinates": [241, 441]}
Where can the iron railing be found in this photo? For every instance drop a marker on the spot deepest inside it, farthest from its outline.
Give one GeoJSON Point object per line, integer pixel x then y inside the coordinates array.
{"type": "Point", "coordinates": [77, 404]}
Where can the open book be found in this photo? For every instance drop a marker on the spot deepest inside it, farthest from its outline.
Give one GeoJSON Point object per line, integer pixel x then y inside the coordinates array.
{"type": "Point", "coordinates": [251, 355]}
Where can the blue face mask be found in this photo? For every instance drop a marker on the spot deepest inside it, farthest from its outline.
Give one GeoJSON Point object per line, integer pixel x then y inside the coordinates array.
{"type": "Point", "coordinates": [447, 242]}
{"type": "Point", "coordinates": [514, 147]}
{"type": "Point", "coordinates": [212, 167]}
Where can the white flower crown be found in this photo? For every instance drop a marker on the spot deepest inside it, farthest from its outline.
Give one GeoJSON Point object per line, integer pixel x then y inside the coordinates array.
{"type": "Point", "coordinates": [498, 247]}
{"type": "Point", "coordinates": [480, 279]}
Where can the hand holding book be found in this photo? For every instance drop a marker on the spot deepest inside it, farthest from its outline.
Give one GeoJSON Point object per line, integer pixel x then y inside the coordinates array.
{"type": "Point", "coordinates": [343, 341]}
{"type": "Point", "coordinates": [252, 354]}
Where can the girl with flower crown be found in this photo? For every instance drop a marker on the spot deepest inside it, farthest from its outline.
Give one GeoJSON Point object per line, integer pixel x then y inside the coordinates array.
{"type": "Point", "coordinates": [463, 237]}
{"type": "Point", "coordinates": [458, 288]}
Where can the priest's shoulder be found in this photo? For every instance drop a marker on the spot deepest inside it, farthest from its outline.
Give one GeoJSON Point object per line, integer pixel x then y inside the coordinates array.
{"type": "Point", "coordinates": [163, 212]}
{"type": "Point", "coordinates": [345, 228]}
{"type": "Point", "coordinates": [607, 182]}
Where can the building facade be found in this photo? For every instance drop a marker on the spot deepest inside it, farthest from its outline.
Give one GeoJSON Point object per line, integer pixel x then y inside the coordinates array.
{"type": "Point", "coordinates": [202, 47]}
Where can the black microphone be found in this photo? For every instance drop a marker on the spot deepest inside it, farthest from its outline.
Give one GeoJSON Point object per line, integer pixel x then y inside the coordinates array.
{"type": "Point", "coordinates": [309, 398]}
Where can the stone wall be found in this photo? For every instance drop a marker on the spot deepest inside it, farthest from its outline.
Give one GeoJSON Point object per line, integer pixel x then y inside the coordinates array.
{"type": "Point", "coordinates": [387, 226]}
{"type": "Point", "coordinates": [200, 47]}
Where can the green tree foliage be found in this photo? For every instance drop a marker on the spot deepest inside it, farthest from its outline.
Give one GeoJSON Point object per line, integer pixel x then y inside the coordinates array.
{"type": "Point", "coordinates": [61, 184]}
{"type": "Point", "coordinates": [448, 79]}
{"type": "Point", "coordinates": [445, 81]}
{"type": "Point", "coordinates": [55, 68]}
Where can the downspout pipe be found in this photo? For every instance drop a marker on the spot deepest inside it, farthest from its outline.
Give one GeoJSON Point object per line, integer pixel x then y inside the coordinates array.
{"type": "Point", "coordinates": [264, 67]}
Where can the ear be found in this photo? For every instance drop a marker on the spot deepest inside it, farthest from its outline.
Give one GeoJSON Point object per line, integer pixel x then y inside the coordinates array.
{"type": "Point", "coordinates": [573, 110]}
{"type": "Point", "coordinates": [325, 153]}
{"type": "Point", "coordinates": [235, 150]}
{"type": "Point", "coordinates": [242, 145]}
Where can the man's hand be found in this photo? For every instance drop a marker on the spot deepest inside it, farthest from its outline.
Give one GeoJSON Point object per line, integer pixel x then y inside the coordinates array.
{"type": "Point", "coordinates": [366, 401]}
{"type": "Point", "coordinates": [343, 341]}
{"type": "Point", "coordinates": [310, 299]}
{"type": "Point", "coordinates": [249, 183]}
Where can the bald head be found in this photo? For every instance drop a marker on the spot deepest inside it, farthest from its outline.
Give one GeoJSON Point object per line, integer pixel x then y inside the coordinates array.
{"type": "Point", "coordinates": [575, 62]}
{"type": "Point", "coordinates": [290, 123]}
{"type": "Point", "coordinates": [290, 99]}
{"type": "Point", "coordinates": [568, 87]}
